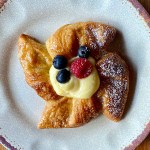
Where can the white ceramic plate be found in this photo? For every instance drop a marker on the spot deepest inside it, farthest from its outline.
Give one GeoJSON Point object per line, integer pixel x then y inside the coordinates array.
{"type": "Point", "coordinates": [21, 108]}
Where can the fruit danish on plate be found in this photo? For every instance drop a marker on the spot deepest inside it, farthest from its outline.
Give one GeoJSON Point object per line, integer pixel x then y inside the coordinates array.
{"type": "Point", "coordinates": [75, 74]}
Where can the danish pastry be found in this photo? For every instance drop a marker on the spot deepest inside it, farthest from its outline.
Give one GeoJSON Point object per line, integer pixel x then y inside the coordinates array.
{"type": "Point", "coordinates": [75, 74]}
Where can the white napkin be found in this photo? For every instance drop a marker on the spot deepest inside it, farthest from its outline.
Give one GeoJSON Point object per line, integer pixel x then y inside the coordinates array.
{"type": "Point", "coordinates": [21, 108]}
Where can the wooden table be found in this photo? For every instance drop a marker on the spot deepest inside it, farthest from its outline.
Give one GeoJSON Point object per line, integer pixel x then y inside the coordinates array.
{"type": "Point", "coordinates": [146, 143]}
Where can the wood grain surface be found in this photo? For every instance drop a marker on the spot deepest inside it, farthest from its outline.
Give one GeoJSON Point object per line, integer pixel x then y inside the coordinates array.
{"type": "Point", "coordinates": [145, 145]}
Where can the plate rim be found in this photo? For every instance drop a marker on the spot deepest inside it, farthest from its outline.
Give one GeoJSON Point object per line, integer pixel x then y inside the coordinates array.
{"type": "Point", "coordinates": [140, 138]}
{"type": "Point", "coordinates": [146, 18]}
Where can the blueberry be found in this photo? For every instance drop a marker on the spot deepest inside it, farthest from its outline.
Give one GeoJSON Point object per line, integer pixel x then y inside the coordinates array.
{"type": "Point", "coordinates": [60, 62]}
{"type": "Point", "coordinates": [83, 52]}
{"type": "Point", "coordinates": [63, 76]}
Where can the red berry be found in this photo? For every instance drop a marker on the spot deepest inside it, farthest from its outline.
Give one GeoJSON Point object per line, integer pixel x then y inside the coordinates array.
{"type": "Point", "coordinates": [81, 68]}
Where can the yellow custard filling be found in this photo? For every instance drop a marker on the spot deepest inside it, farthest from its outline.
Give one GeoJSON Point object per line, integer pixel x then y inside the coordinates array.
{"type": "Point", "coordinates": [76, 88]}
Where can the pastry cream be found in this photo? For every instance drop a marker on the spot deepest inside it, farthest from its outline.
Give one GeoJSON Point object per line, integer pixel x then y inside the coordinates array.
{"type": "Point", "coordinates": [76, 88]}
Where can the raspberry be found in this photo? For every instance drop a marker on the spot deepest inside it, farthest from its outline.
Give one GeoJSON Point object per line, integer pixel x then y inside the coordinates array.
{"type": "Point", "coordinates": [81, 68]}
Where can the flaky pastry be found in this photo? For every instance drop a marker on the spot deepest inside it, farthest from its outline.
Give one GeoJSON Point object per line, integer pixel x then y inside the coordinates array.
{"type": "Point", "coordinates": [60, 111]}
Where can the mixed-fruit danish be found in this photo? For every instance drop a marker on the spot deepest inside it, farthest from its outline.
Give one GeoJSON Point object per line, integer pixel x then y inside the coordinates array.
{"type": "Point", "coordinates": [75, 74]}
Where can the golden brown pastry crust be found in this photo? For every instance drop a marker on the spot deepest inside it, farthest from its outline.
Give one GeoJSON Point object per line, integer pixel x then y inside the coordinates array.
{"type": "Point", "coordinates": [67, 39]}
{"type": "Point", "coordinates": [114, 86]}
{"type": "Point", "coordinates": [36, 62]}
{"type": "Point", "coordinates": [68, 112]}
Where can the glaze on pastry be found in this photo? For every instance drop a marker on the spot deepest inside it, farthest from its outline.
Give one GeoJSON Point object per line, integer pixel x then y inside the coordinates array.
{"type": "Point", "coordinates": [75, 109]}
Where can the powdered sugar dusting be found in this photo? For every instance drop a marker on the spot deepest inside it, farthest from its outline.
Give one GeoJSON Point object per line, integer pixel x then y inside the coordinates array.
{"type": "Point", "coordinates": [114, 78]}
{"type": "Point", "coordinates": [116, 91]}
{"type": "Point", "coordinates": [112, 67]}
{"type": "Point", "coordinates": [99, 37]}
{"type": "Point", "coordinates": [104, 35]}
